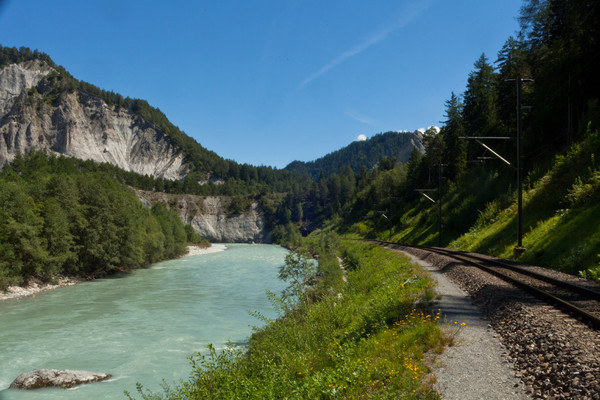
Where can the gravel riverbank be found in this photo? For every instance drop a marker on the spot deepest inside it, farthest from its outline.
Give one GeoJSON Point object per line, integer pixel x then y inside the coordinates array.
{"type": "Point", "coordinates": [15, 292]}
{"type": "Point", "coordinates": [200, 250]}
{"type": "Point", "coordinates": [34, 287]}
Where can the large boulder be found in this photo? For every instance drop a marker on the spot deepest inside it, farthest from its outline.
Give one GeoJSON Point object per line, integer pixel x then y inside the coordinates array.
{"type": "Point", "coordinates": [41, 378]}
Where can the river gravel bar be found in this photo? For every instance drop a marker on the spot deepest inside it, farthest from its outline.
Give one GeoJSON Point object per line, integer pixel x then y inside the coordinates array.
{"type": "Point", "coordinates": [198, 250]}
{"type": "Point", "coordinates": [17, 292]}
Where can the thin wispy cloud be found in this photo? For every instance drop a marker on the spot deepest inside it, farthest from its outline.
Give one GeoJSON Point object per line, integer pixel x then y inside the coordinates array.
{"type": "Point", "coordinates": [405, 16]}
{"type": "Point", "coordinates": [360, 117]}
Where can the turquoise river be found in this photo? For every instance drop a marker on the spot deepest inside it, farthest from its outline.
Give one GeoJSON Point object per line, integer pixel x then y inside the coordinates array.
{"type": "Point", "coordinates": [140, 327]}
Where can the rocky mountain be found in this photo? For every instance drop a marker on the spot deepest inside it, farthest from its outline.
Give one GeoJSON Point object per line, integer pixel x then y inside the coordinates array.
{"type": "Point", "coordinates": [43, 108]}
{"type": "Point", "coordinates": [398, 145]}
{"type": "Point", "coordinates": [73, 123]}
{"type": "Point", "coordinates": [211, 217]}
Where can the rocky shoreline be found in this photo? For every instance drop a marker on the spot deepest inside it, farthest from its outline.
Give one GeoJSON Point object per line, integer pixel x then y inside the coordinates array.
{"type": "Point", "coordinates": [35, 287]}
{"type": "Point", "coordinates": [200, 250]}
{"type": "Point", "coordinates": [32, 288]}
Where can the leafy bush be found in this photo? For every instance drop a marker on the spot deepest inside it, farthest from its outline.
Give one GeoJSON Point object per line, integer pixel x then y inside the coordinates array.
{"type": "Point", "coordinates": [488, 216]}
{"type": "Point", "coordinates": [591, 273]}
{"type": "Point", "coordinates": [297, 270]}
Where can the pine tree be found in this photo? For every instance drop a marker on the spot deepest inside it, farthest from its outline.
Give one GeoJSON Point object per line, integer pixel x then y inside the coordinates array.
{"type": "Point", "coordinates": [479, 99]}
{"type": "Point", "coordinates": [455, 148]}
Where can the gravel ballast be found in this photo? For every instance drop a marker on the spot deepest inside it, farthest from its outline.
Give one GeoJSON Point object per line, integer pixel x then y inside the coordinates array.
{"type": "Point", "coordinates": [553, 355]}
{"type": "Point", "coordinates": [474, 367]}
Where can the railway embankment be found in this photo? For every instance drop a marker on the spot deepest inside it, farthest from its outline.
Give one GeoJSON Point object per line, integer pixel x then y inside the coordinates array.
{"type": "Point", "coordinates": [475, 366]}
{"type": "Point", "coordinates": [553, 354]}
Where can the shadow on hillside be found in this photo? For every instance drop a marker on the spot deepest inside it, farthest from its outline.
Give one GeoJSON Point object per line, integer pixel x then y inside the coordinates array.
{"type": "Point", "coordinates": [575, 238]}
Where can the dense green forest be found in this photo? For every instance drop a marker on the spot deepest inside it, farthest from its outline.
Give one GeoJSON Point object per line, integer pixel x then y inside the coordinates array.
{"type": "Point", "coordinates": [60, 219]}
{"type": "Point", "coordinates": [360, 154]}
{"type": "Point", "coordinates": [556, 48]}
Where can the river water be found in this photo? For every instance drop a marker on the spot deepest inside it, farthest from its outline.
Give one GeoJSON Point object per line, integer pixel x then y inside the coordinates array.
{"type": "Point", "coordinates": [139, 327]}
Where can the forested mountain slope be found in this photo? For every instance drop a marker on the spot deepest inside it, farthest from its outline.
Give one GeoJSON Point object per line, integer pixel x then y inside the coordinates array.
{"type": "Point", "coordinates": [42, 107]}
{"type": "Point", "coordinates": [368, 153]}
{"type": "Point", "coordinates": [474, 187]}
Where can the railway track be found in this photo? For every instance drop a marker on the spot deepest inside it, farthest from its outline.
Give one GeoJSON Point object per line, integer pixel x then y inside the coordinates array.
{"type": "Point", "coordinates": [577, 300]}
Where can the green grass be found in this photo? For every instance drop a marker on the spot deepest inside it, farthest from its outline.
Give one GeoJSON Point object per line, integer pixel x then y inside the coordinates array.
{"type": "Point", "coordinates": [561, 217]}
{"type": "Point", "coordinates": [366, 341]}
{"type": "Point", "coordinates": [561, 214]}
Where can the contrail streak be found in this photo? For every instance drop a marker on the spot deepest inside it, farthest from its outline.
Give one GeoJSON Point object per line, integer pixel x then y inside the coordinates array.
{"type": "Point", "coordinates": [409, 12]}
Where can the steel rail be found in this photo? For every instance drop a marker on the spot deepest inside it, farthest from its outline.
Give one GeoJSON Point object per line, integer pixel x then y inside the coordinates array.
{"type": "Point", "coordinates": [592, 294]}
{"type": "Point", "coordinates": [592, 319]}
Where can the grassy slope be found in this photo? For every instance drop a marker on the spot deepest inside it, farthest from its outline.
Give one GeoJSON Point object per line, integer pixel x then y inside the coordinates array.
{"type": "Point", "coordinates": [561, 216]}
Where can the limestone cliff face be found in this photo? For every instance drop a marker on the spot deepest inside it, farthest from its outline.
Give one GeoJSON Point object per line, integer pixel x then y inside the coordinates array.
{"type": "Point", "coordinates": [210, 217]}
{"type": "Point", "coordinates": [81, 126]}
{"type": "Point", "coordinates": [217, 225]}
{"type": "Point", "coordinates": [15, 78]}
{"type": "Point", "coordinates": [78, 125]}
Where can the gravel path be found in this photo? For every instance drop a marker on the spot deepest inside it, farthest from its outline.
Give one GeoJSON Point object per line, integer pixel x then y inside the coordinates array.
{"type": "Point", "coordinates": [474, 367]}
{"type": "Point", "coordinates": [554, 355]}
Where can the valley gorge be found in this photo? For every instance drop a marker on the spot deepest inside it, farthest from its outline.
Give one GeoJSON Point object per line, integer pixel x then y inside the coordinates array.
{"type": "Point", "coordinates": [82, 126]}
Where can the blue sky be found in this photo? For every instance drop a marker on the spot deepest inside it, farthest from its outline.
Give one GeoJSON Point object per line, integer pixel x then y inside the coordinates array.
{"type": "Point", "coordinates": [269, 82]}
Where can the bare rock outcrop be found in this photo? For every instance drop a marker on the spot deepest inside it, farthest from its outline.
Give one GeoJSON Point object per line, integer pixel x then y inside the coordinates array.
{"type": "Point", "coordinates": [216, 224]}
{"type": "Point", "coordinates": [79, 125]}
{"type": "Point", "coordinates": [16, 78]}
{"type": "Point", "coordinates": [41, 378]}
{"type": "Point", "coordinates": [212, 218]}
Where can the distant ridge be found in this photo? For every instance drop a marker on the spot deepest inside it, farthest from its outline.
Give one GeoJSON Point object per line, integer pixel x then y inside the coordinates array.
{"type": "Point", "coordinates": [398, 145]}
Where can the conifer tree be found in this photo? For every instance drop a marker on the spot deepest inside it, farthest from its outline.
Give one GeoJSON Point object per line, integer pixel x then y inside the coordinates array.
{"type": "Point", "coordinates": [479, 99]}
{"type": "Point", "coordinates": [455, 148]}
{"type": "Point", "coordinates": [511, 64]}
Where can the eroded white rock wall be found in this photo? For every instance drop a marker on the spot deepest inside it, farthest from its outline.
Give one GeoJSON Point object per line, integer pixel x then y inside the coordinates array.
{"type": "Point", "coordinates": [81, 126]}
{"type": "Point", "coordinates": [214, 223]}
{"type": "Point", "coordinates": [209, 216]}
{"type": "Point", "coordinates": [16, 78]}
